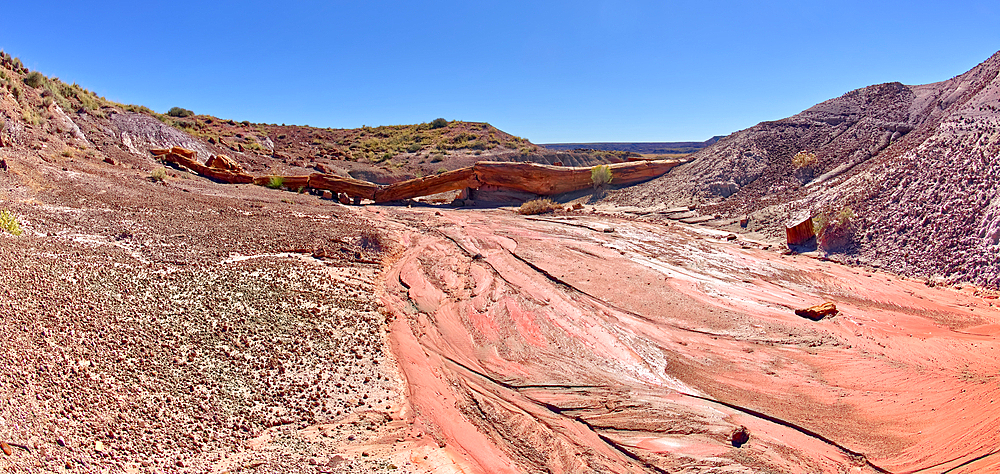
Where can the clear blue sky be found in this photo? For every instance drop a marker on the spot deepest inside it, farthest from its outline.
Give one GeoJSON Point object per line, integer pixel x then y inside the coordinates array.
{"type": "Point", "coordinates": [550, 71]}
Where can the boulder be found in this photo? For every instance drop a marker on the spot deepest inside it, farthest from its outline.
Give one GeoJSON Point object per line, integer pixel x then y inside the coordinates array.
{"type": "Point", "coordinates": [817, 312]}
{"type": "Point", "coordinates": [799, 231]}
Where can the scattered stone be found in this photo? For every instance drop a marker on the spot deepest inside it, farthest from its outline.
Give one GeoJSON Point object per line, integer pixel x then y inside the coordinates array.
{"type": "Point", "coordinates": [817, 312]}
{"type": "Point", "coordinates": [344, 199]}
{"type": "Point", "coordinates": [111, 161]}
{"type": "Point", "coordinates": [739, 436]}
{"type": "Point", "coordinates": [731, 237]}
{"type": "Point", "coordinates": [6, 448]}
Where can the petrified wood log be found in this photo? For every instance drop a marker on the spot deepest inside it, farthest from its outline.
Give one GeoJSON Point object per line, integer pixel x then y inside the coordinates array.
{"type": "Point", "coordinates": [336, 184]}
{"type": "Point", "coordinates": [799, 232]}
{"type": "Point", "coordinates": [547, 180]}
{"type": "Point", "coordinates": [189, 154]}
{"type": "Point", "coordinates": [450, 181]}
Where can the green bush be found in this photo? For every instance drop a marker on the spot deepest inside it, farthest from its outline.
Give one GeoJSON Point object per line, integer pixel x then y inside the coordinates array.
{"type": "Point", "coordinates": [439, 123]}
{"type": "Point", "coordinates": [275, 182]}
{"type": "Point", "coordinates": [34, 79]}
{"type": "Point", "coordinates": [158, 175]}
{"type": "Point", "coordinates": [8, 223]}
{"type": "Point", "coordinates": [179, 112]}
{"type": "Point", "coordinates": [414, 147]}
{"type": "Point", "coordinates": [600, 175]}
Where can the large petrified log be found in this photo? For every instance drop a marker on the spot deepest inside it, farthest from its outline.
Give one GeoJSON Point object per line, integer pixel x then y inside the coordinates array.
{"type": "Point", "coordinates": [186, 158]}
{"type": "Point", "coordinates": [336, 184]}
{"type": "Point", "coordinates": [534, 178]}
{"type": "Point", "coordinates": [449, 181]}
{"type": "Point", "coordinates": [547, 180]}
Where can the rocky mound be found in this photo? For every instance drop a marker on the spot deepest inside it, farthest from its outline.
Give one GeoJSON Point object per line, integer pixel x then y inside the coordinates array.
{"type": "Point", "coordinates": [910, 168]}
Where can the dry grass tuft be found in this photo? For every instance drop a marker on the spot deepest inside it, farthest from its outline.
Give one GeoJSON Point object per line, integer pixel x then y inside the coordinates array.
{"type": "Point", "coordinates": [538, 206]}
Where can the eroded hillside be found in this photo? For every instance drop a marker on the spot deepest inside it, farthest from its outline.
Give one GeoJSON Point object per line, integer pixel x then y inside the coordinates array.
{"type": "Point", "coordinates": [915, 168]}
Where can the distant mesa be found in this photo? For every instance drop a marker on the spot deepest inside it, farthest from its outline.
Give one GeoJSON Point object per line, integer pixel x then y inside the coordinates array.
{"type": "Point", "coordinates": [645, 148]}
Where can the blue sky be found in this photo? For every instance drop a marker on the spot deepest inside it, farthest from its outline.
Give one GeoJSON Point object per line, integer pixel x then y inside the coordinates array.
{"type": "Point", "coordinates": [579, 71]}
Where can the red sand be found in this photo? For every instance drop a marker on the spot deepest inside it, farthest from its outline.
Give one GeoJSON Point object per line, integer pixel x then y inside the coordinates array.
{"type": "Point", "coordinates": [531, 345]}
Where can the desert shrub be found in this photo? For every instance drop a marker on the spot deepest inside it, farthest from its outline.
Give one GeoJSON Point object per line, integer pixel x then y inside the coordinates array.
{"type": "Point", "coordinates": [836, 230]}
{"type": "Point", "coordinates": [537, 206]}
{"type": "Point", "coordinates": [600, 175]}
{"type": "Point", "coordinates": [179, 112]}
{"type": "Point", "coordinates": [275, 182]}
{"type": "Point", "coordinates": [8, 223]}
{"type": "Point", "coordinates": [438, 123]}
{"type": "Point", "coordinates": [158, 175]}
{"type": "Point", "coordinates": [803, 159]}
{"type": "Point", "coordinates": [34, 79]}
{"type": "Point", "coordinates": [441, 170]}
{"type": "Point", "coordinates": [414, 147]}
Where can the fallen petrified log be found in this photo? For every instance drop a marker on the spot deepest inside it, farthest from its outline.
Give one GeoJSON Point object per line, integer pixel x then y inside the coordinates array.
{"type": "Point", "coordinates": [547, 180]}
{"type": "Point", "coordinates": [817, 312]}
{"type": "Point", "coordinates": [450, 181]}
{"type": "Point", "coordinates": [336, 184]}
{"type": "Point", "coordinates": [186, 158]}
{"type": "Point", "coordinates": [799, 232]}
{"type": "Point", "coordinates": [533, 178]}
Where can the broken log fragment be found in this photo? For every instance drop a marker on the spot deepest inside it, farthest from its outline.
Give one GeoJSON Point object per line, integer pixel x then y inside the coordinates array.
{"type": "Point", "coordinates": [798, 232]}
{"type": "Point", "coordinates": [224, 176]}
{"type": "Point", "coordinates": [817, 312]}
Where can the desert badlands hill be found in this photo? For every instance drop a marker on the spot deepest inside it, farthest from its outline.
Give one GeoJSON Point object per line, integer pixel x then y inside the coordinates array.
{"type": "Point", "coordinates": [159, 320]}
